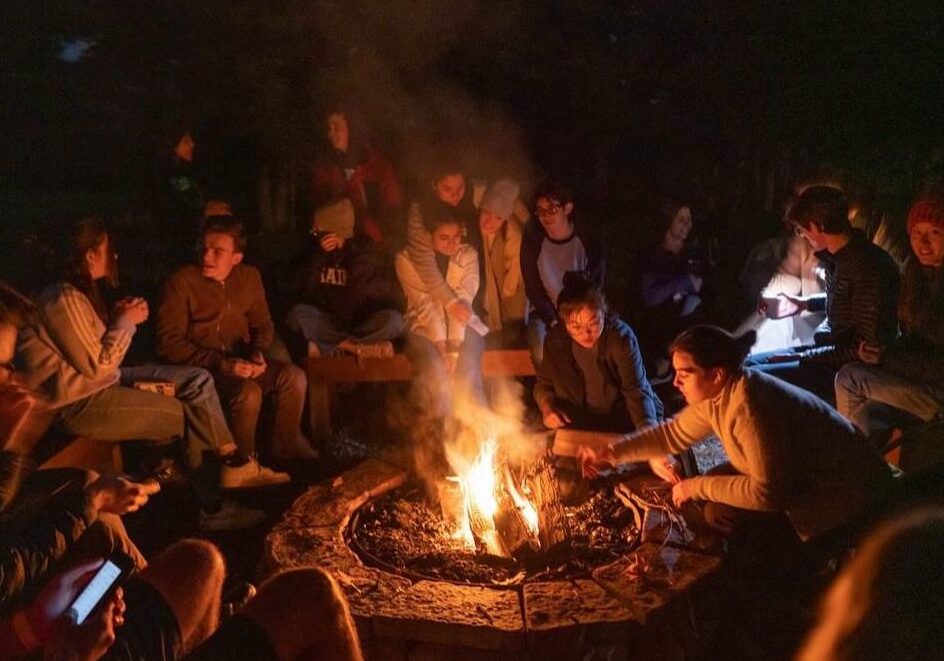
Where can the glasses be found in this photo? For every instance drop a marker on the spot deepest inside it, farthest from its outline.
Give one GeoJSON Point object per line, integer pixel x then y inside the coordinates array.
{"type": "Point", "coordinates": [549, 210]}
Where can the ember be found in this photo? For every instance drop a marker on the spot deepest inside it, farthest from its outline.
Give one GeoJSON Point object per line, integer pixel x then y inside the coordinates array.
{"type": "Point", "coordinates": [402, 531]}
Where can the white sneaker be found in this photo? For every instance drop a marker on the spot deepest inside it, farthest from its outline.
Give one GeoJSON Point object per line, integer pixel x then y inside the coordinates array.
{"type": "Point", "coordinates": [231, 516]}
{"type": "Point", "coordinates": [251, 474]}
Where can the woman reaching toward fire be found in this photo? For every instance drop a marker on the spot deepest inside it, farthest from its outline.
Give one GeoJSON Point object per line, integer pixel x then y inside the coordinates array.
{"type": "Point", "coordinates": [789, 451]}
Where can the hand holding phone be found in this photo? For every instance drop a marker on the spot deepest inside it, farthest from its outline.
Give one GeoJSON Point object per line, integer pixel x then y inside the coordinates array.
{"type": "Point", "coordinates": [103, 584]}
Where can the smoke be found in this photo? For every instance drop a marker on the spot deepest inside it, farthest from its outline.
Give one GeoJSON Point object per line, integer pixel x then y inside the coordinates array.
{"type": "Point", "coordinates": [410, 69]}
{"type": "Point", "coordinates": [446, 422]}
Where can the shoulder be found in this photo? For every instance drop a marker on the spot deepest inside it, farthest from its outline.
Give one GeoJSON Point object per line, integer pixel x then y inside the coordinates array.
{"type": "Point", "coordinates": [55, 292]}
{"type": "Point", "coordinates": [467, 254]}
{"type": "Point", "coordinates": [586, 237]}
{"type": "Point", "coordinates": [247, 274]}
{"type": "Point", "coordinates": [617, 329]}
{"type": "Point", "coordinates": [185, 274]}
{"type": "Point", "coordinates": [60, 294]}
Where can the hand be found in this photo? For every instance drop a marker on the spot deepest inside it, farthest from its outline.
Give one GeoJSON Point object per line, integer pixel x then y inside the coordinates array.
{"type": "Point", "coordinates": [790, 306]}
{"type": "Point", "coordinates": [57, 596]}
{"type": "Point", "coordinates": [131, 310]}
{"type": "Point", "coordinates": [330, 241]}
{"type": "Point", "coordinates": [782, 358]}
{"type": "Point", "coordinates": [871, 353]}
{"type": "Point", "coordinates": [593, 461]}
{"type": "Point", "coordinates": [665, 468]}
{"type": "Point", "coordinates": [450, 360]}
{"type": "Point", "coordinates": [236, 367]}
{"type": "Point", "coordinates": [117, 495]}
{"type": "Point", "coordinates": [258, 363]}
{"type": "Point", "coordinates": [555, 418]}
{"type": "Point", "coordinates": [460, 311]}
{"type": "Point", "coordinates": [697, 282]}
{"type": "Point", "coordinates": [16, 404]}
{"type": "Point", "coordinates": [90, 640]}
{"type": "Point", "coordinates": [682, 492]}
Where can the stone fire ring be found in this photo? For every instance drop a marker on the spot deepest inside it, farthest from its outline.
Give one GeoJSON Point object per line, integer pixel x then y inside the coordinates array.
{"type": "Point", "coordinates": [396, 617]}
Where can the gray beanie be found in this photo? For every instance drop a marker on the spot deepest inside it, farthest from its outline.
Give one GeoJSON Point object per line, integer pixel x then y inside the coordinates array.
{"type": "Point", "coordinates": [500, 197]}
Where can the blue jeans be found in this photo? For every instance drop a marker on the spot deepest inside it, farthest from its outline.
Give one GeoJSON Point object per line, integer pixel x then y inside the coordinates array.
{"type": "Point", "coordinates": [122, 413]}
{"type": "Point", "coordinates": [814, 377]}
{"type": "Point", "coordinates": [864, 393]}
{"type": "Point", "coordinates": [431, 375]}
{"type": "Point", "coordinates": [325, 331]}
{"type": "Point", "coordinates": [537, 331]}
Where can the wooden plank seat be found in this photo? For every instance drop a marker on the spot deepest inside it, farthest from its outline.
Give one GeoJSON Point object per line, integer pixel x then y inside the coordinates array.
{"type": "Point", "coordinates": [88, 453]}
{"type": "Point", "coordinates": [325, 372]}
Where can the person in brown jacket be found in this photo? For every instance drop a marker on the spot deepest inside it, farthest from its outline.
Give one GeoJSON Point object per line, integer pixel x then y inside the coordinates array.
{"type": "Point", "coordinates": [214, 315]}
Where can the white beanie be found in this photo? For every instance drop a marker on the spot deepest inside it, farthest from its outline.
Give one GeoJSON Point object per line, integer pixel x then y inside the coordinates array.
{"type": "Point", "coordinates": [500, 197]}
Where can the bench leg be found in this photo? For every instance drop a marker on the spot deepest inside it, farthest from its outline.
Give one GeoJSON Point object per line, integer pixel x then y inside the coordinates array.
{"type": "Point", "coordinates": [319, 405]}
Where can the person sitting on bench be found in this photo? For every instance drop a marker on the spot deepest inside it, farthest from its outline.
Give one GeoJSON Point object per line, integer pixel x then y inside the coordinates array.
{"type": "Point", "coordinates": [345, 303]}
{"type": "Point", "coordinates": [904, 379]}
{"type": "Point", "coordinates": [74, 357]}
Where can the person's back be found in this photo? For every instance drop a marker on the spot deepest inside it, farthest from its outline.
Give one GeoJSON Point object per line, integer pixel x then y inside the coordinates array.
{"type": "Point", "coordinates": [826, 461]}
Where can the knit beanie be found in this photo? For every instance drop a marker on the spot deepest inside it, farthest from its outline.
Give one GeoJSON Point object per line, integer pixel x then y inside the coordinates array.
{"type": "Point", "coordinates": [500, 197]}
{"type": "Point", "coordinates": [928, 209]}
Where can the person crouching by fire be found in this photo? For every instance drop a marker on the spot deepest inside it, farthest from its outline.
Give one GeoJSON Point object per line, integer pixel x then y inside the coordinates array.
{"type": "Point", "coordinates": [592, 376]}
{"type": "Point", "coordinates": [789, 451]}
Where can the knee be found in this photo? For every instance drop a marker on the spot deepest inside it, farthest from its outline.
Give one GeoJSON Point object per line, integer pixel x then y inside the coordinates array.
{"type": "Point", "coordinates": [199, 382]}
{"type": "Point", "coordinates": [292, 379]}
{"type": "Point", "coordinates": [300, 589]}
{"type": "Point", "coordinates": [199, 563]}
{"type": "Point", "coordinates": [305, 609]}
{"type": "Point", "coordinates": [394, 321]}
{"type": "Point", "coordinates": [249, 396]}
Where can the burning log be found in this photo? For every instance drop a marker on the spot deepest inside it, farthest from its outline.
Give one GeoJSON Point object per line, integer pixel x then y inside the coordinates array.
{"type": "Point", "coordinates": [552, 522]}
{"type": "Point", "coordinates": [485, 533]}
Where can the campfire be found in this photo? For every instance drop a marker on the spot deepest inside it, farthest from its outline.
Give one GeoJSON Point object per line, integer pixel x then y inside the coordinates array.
{"type": "Point", "coordinates": [502, 510]}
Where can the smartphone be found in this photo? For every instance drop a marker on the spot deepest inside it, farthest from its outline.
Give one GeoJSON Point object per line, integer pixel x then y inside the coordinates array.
{"type": "Point", "coordinates": [106, 580]}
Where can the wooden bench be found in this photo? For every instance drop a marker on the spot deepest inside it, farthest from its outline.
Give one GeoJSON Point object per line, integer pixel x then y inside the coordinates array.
{"type": "Point", "coordinates": [324, 373]}
{"type": "Point", "coordinates": [82, 452]}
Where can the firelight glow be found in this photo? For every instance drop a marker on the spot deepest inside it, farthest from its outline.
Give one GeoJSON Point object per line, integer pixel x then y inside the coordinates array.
{"type": "Point", "coordinates": [479, 483]}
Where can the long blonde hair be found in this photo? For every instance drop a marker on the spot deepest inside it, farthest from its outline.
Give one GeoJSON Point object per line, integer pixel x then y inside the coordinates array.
{"type": "Point", "coordinates": [888, 603]}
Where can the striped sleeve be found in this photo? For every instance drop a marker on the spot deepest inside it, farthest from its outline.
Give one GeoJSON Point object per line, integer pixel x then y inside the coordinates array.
{"type": "Point", "coordinates": [420, 248]}
{"type": "Point", "coordinates": [91, 348]}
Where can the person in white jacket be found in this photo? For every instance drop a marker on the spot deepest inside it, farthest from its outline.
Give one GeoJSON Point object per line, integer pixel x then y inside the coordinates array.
{"type": "Point", "coordinates": [427, 317]}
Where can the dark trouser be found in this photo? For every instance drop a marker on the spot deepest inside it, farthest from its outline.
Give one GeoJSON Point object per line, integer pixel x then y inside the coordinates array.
{"type": "Point", "coordinates": [815, 377]}
{"type": "Point", "coordinates": [324, 330]}
{"type": "Point", "coordinates": [242, 398]}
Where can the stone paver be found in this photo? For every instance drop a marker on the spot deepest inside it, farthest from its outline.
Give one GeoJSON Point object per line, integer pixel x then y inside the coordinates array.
{"type": "Point", "coordinates": [653, 576]}
{"type": "Point", "coordinates": [456, 615]}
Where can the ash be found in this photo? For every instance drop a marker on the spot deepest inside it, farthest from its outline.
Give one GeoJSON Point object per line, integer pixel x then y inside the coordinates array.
{"type": "Point", "coordinates": [403, 532]}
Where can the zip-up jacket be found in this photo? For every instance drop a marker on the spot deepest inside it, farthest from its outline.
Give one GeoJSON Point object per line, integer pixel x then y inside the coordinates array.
{"type": "Point", "coordinates": [202, 321]}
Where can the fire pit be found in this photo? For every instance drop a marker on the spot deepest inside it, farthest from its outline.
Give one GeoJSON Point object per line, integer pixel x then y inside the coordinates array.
{"type": "Point", "coordinates": [593, 584]}
{"type": "Point", "coordinates": [531, 532]}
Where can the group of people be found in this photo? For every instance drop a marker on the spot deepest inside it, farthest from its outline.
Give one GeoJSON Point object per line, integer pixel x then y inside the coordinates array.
{"type": "Point", "coordinates": [461, 268]}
